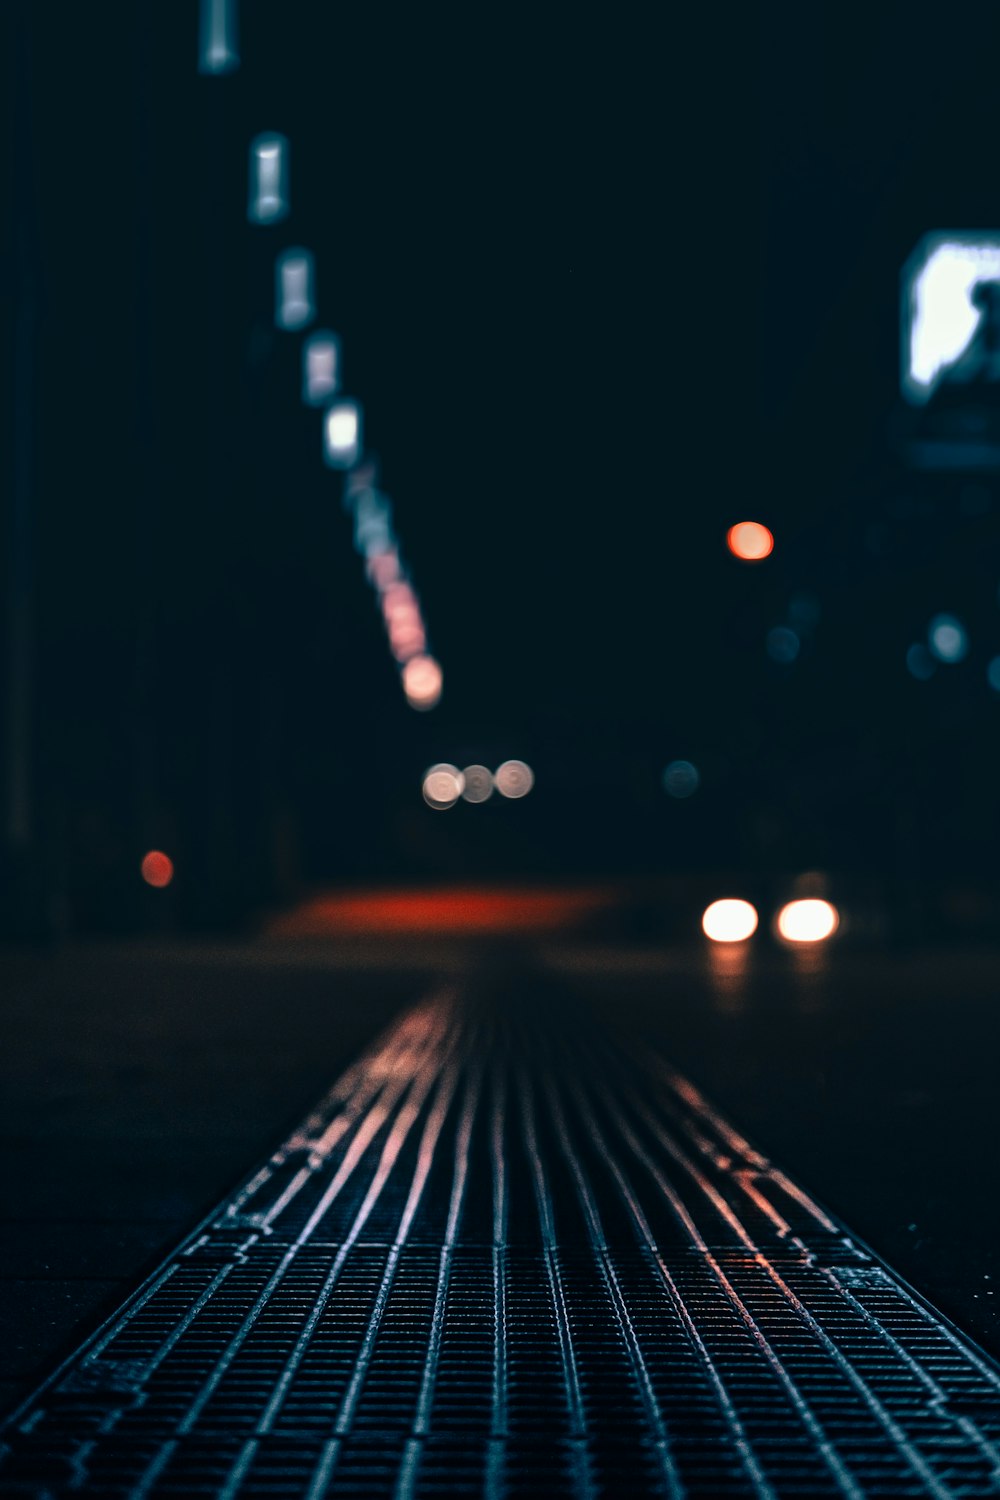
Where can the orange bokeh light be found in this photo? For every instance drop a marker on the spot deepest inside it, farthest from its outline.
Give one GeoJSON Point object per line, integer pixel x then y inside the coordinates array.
{"type": "Point", "coordinates": [157, 868]}
{"type": "Point", "coordinates": [750, 541]}
{"type": "Point", "coordinates": [422, 681]}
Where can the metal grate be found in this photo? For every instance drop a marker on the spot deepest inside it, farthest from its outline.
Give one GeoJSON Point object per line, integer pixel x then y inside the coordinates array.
{"type": "Point", "coordinates": [504, 1257]}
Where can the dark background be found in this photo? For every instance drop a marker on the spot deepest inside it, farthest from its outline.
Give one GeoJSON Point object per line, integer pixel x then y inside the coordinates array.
{"type": "Point", "coordinates": [607, 282]}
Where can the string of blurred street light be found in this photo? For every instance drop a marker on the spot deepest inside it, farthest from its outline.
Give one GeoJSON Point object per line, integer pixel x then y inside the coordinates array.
{"type": "Point", "coordinates": [443, 785]}
{"type": "Point", "coordinates": [370, 510]}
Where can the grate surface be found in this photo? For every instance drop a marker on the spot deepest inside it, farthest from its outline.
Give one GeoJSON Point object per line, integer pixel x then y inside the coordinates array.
{"type": "Point", "coordinates": [499, 1261]}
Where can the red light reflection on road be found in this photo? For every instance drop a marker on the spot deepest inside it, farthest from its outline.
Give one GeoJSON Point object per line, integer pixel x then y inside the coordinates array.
{"type": "Point", "coordinates": [455, 909]}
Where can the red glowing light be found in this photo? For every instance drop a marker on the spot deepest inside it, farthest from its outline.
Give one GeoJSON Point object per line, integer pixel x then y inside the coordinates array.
{"type": "Point", "coordinates": [157, 868]}
{"type": "Point", "coordinates": [750, 541]}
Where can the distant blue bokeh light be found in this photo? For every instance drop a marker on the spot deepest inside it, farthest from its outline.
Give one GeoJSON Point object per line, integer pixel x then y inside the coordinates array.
{"type": "Point", "coordinates": [920, 663]}
{"type": "Point", "coordinates": [782, 644]}
{"type": "Point", "coordinates": [681, 779]}
{"type": "Point", "coordinates": [948, 639]}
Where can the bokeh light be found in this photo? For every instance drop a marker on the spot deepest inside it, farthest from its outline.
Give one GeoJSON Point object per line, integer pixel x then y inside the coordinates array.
{"type": "Point", "coordinates": [478, 784]}
{"type": "Point", "coordinates": [401, 621]}
{"type": "Point", "coordinates": [939, 306]}
{"type": "Point", "coordinates": [373, 531]}
{"type": "Point", "coordinates": [993, 674]}
{"type": "Point", "coordinates": [730, 920]}
{"type": "Point", "coordinates": [442, 786]}
{"type": "Point", "coordinates": [920, 662]}
{"type": "Point", "coordinates": [267, 201]}
{"type": "Point", "coordinates": [406, 643]}
{"type": "Point", "coordinates": [750, 541]}
{"type": "Point", "coordinates": [783, 645]}
{"type": "Point", "coordinates": [342, 434]}
{"type": "Point", "coordinates": [217, 44]}
{"type": "Point", "coordinates": [157, 869]}
{"type": "Point", "coordinates": [681, 779]}
{"type": "Point", "coordinates": [320, 368]}
{"type": "Point", "coordinates": [514, 779]}
{"type": "Point", "coordinates": [294, 290]}
{"type": "Point", "coordinates": [947, 638]}
{"type": "Point", "coordinates": [399, 607]}
{"type": "Point", "coordinates": [422, 682]}
{"type": "Point", "coordinates": [398, 597]}
{"type": "Point", "coordinates": [383, 569]}
{"type": "Point", "coordinates": [808, 921]}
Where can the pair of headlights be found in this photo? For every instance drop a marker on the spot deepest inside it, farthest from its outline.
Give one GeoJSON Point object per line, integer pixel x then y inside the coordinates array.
{"type": "Point", "coordinates": [806, 921]}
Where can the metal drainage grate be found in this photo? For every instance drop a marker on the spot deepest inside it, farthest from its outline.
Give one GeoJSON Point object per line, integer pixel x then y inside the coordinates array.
{"type": "Point", "coordinates": [498, 1261]}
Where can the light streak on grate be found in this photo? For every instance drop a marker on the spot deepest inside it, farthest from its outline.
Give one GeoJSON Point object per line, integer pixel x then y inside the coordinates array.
{"type": "Point", "coordinates": [501, 1258]}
